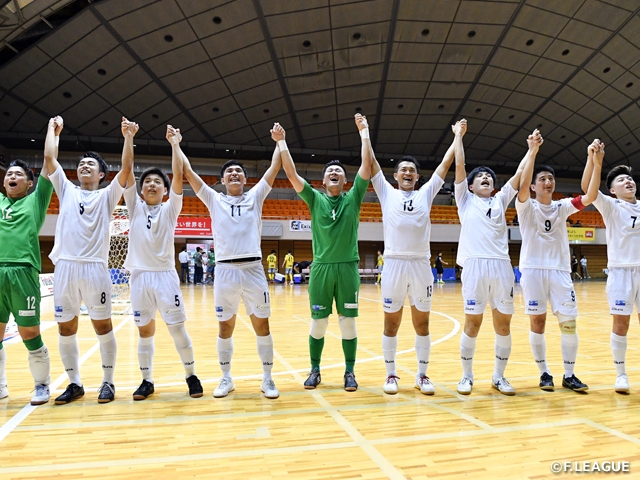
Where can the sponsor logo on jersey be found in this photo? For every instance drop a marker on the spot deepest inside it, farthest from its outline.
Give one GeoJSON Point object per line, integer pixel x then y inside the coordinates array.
{"type": "Point", "coordinates": [318, 307]}
{"type": "Point", "coordinates": [99, 308]}
{"type": "Point", "coordinates": [533, 303]}
{"type": "Point", "coordinates": [506, 301]}
{"type": "Point", "coordinates": [172, 311]}
{"type": "Point", "coordinates": [136, 313]}
{"type": "Point", "coordinates": [219, 309]}
{"type": "Point", "coordinates": [471, 302]}
{"type": "Point", "coordinates": [58, 309]}
{"type": "Point", "coordinates": [614, 309]}
{"type": "Point", "coordinates": [388, 301]}
{"type": "Point", "coordinates": [424, 301]}
{"type": "Point", "coordinates": [350, 305]}
{"type": "Point", "coordinates": [27, 313]}
{"type": "Point", "coordinates": [262, 306]}
{"type": "Point", "coordinates": [621, 303]}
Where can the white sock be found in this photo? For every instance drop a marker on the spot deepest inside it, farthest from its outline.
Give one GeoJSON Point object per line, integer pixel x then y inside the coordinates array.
{"type": "Point", "coordinates": [146, 349]}
{"type": "Point", "coordinates": [467, 349]}
{"type": "Point", "coordinates": [3, 362]}
{"type": "Point", "coordinates": [182, 341]}
{"type": "Point", "coordinates": [539, 350]}
{"type": "Point", "coordinates": [423, 351]}
{"type": "Point", "coordinates": [40, 365]}
{"type": "Point", "coordinates": [569, 346]}
{"type": "Point", "coordinates": [70, 356]}
{"type": "Point", "coordinates": [389, 348]}
{"type": "Point", "coordinates": [225, 352]}
{"type": "Point", "coordinates": [503, 350]}
{"type": "Point", "coordinates": [265, 352]}
{"type": "Point", "coordinates": [108, 352]}
{"type": "Point", "coordinates": [619, 351]}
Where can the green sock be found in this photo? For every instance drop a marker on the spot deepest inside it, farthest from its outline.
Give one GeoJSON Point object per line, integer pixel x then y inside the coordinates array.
{"type": "Point", "coordinates": [349, 348]}
{"type": "Point", "coordinates": [1, 347]}
{"type": "Point", "coordinates": [34, 343]}
{"type": "Point", "coordinates": [315, 351]}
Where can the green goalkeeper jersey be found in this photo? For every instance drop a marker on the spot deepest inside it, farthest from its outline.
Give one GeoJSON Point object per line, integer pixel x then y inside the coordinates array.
{"type": "Point", "coordinates": [20, 223]}
{"type": "Point", "coordinates": [334, 222]}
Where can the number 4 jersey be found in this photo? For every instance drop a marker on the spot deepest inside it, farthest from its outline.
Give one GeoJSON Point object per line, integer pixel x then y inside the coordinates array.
{"type": "Point", "coordinates": [236, 222]}
{"type": "Point", "coordinates": [623, 230]}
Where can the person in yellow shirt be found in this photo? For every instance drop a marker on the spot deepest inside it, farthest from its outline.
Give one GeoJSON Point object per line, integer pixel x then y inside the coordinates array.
{"type": "Point", "coordinates": [288, 267]}
{"type": "Point", "coordinates": [380, 264]}
{"type": "Point", "coordinates": [272, 265]}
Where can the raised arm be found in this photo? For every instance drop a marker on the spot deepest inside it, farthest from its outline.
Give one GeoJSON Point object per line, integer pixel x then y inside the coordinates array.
{"type": "Point", "coordinates": [177, 164]}
{"type": "Point", "coordinates": [455, 150]}
{"type": "Point", "coordinates": [528, 160]}
{"type": "Point", "coordinates": [276, 161]}
{"type": "Point", "coordinates": [526, 177]}
{"type": "Point", "coordinates": [129, 130]}
{"type": "Point", "coordinates": [287, 162]}
{"type": "Point", "coordinates": [192, 177]}
{"type": "Point", "coordinates": [596, 155]}
{"type": "Point", "coordinates": [50, 163]}
{"type": "Point", "coordinates": [366, 150]}
{"type": "Point", "coordinates": [588, 169]}
{"type": "Point", "coordinates": [461, 171]}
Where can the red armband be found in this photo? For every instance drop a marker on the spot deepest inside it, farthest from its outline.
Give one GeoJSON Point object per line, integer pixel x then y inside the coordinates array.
{"type": "Point", "coordinates": [577, 202]}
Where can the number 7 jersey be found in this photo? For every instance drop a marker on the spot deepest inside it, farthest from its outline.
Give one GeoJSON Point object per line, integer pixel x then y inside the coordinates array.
{"type": "Point", "coordinates": [622, 220]}
{"type": "Point", "coordinates": [236, 222]}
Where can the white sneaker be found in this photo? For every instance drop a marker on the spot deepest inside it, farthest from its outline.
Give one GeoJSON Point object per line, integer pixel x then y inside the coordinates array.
{"type": "Point", "coordinates": [503, 386]}
{"type": "Point", "coordinates": [41, 395]}
{"type": "Point", "coordinates": [424, 385]}
{"type": "Point", "coordinates": [391, 385]}
{"type": "Point", "coordinates": [4, 391]}
{"type": "Point", "coordinates": [226, 386]}
{"type": "Point", "coordinates": [622, 384]}
{"type": "Point", "coordinates": [269, 389]}
{"type": "Point", "coordinates": [465, 385]}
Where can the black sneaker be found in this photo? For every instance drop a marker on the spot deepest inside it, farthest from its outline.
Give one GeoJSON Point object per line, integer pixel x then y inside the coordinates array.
{"type": "Point", "coordinates": [313, 380]}
{"type": "Point", "coordinates": [546, 382]}
{"type": "Point", "coordinates": [106, 393]}
{"type": "Point", "coordinates": [574, 383]}
{"type": "Point", "coordinates": [350, 384]}
{"type": "Point", "coordinates": [195, 388]}
{"type": "Point", "coordinates": [72, 392]}
{"type": "Point", "coordinates": [144, 390]}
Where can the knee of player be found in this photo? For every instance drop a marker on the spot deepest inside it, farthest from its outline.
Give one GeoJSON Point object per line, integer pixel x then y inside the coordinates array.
{"type": "Point", "coordinates": [319, 327]}
{"type": "Point", "coordinates": [348, 327]}
{"type": "Point", "coordinates": [567, 324]}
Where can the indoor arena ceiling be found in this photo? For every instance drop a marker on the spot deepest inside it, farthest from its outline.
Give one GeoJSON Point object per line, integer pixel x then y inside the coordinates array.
{"type": "Point", "coordinates": [223, 71]}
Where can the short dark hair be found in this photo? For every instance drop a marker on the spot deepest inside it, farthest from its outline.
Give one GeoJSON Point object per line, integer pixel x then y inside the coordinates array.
{"type": "Point", "coordinates": [542, 168]}
{"type": "Point", "coordinates": [198, 249]}
{"type": "Point", "coordinates": [24, 166]}
{"type": "Point", "coordinates": [104, 168]}
{"type": "Point", "coordinates": [334, 163]}
{"type": "Point", "coordinates": [155, 171]}
{"type": "Point", "coordinates": [273, 251]}
{"type": "Point", "coordinates": [229, 163]}
{"type": "Point", "coordinates": [481, 169]}
{"type": "Point", "coordinates": [183, 249]}
{"type": "Point", "coordinates": [407, 158]}
{"type": "Point", "coordinates": [616, 171]}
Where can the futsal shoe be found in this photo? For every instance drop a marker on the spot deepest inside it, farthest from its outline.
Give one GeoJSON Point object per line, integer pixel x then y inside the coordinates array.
{"type": "Point", "coordinates": [313, 380]}
{"type": "Point", "coordinates": [4, 391]}
{"type": "Point", "coordinates": [424, 385]}
{"type": "Point", "coordinates": [622, 383]}
{"type": "Point", "coordinates": [574, 383]}
{"type": "Point", "coordinates": [41, 395]}
{"type": "Point", "coordinates": [269, 389]}
{"type": "Point", "coordinates": [72, 392]}
{"type": "Point", "coordinates": [391, 385]}
{"type": "Point", "coordinates": [106, 393]}
{"type": "Point", "coordinates": [226, 386]}
{"type": "Point", "coordinates": [546, 382]}
{"type": "Point", "coordinates": [503, 386]}
{"type": "Point", "coordinates": [195, 387]}
{"type": "Point", "coordinates": [145, 389]}
{"type": "Point", "coordinates": [350, 384]}
{"type": "Point", "coordinates": [465, 385]}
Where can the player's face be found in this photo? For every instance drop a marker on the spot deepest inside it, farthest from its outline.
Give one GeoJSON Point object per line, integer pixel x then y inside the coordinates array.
{"type": "Point", "coordinates": [334, 176]}
{"type": "Point", "coordinates": [544, 184]}
{"type": "Point", "coordinates": [623, 186]}
{"type": "Point", "coordinates": [482, 184]}
{"type": "Point", "coordinates": [153, 189]}
{"type": "Point", "coordinates": [89, 170]}
{"type": "Point", "coordinates": [16, 182]}
{"type": "Point", "coordinates": [406, 176]}
{"type": "Point", "coordinates": [234, 176]}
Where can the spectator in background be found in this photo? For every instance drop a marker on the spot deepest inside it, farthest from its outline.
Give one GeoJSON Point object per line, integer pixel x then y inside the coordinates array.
{"type": "Point", "coordinates": [197, 265]}
{"type": "Point", "coordinates": [583, 267]}
{"type": "Point", "coordinates": [574, 268]}
{"type": "Point", "coordinates": [183, 256]}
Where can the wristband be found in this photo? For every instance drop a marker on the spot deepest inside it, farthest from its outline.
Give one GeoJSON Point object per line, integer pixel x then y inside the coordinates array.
{"type": "Point", "coordinates": [364, 133]}
{"type": "Point", "coordinates": [57, 140]}
{"type": "Point", "coordinates": [282, 145]}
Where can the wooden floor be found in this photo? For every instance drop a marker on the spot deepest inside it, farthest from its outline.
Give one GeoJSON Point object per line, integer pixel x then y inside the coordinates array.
{"type": "Point", "coordinates": [326, 433]}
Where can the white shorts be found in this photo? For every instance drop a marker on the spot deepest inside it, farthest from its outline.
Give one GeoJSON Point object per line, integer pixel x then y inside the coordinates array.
{"type": "Point", "coordinates": [78, 281]}
{"type": "Point", "coordinates": [241, 280]}
{"type": "Point", "coordinates": [273, 271]}
{"type": "Point", "coordinates": [153, 291]}
{"type": "Point", "coordinates": [542, 285]}
{"type": "Point", "coordinates": [487, 280]}
{"type": "Point", "coordinates": [288, 271]}
{"type": "Point", "coordinates": [623, 290]}
{"type": "Point", "coordinates": [410, 276]}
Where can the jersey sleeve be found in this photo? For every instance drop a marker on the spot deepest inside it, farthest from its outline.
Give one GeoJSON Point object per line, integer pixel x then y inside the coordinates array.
{"type": "Point", "coordinates": [174, 204]}
{"type": "Point", "coordinates": [567, 207]}
{"type": "Point", "coordinates": [44, 189]}
{"type": "Point", "coordinates": [114, 190]}
{"type": "Point", "coordinates": [433, 186]}
{"type": "Point", "coordinates": [207, 195]}
{"type": "Point", "coordinates": [506, 194]}
{"type": "Point", "coordinates": [381, 186]}
{"type": "Point", "coordinates": [604, 204]}
{"type": "Point", "coordinates": [307, 194]}
{"type": "Point", "coordinates": [131, 199]}
{"type": "Point", "coordinates": [462, 193]}
{"type": "Point", "coordinates": [359, 188]}
{"type": "Point", "coordinates": [60, 182]}
{"type": "Point", "coordinates": [261, 190]}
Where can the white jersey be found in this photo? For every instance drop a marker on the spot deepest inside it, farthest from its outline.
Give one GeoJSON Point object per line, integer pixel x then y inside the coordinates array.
{"type": "Point", "coordinates": [484, 223]}
{"type": "Point", "coordinates": [183, 257]}
{"type": "Point", "coordinates": [545, 242]}
{"type": "Point", "coordinates": [622, 220]}
{"type": "Point", "coordinates": [405, 216]}
{"type": "Point", "coordinates": [82, 231]}
{"type": "Point", "coordinates": [151, 232]}
{"type": "Point", "coordinates": [236, 222]}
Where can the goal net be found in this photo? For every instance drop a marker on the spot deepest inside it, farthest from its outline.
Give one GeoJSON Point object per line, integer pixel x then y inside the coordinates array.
{"type": "Point", "coordinates": [118, 243]}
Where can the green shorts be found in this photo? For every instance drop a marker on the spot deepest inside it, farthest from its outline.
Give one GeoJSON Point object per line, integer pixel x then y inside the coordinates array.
{"type": "Point", "coordinates": [20, 294]}
{"type": "Point", "coordinates": [334, 280]}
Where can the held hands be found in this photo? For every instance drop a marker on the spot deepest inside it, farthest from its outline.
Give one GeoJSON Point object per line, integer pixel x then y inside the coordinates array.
{"type": "Point", "coordinates": [535, 140]}
{"type": "Point", "coordinates": [129, 129]}
{"type": "Point", "coordinates": [596, 151]}
{"type": "Point", "coordinates": [173, 135]}
{"type": "Point", "coordinates": [460, 128]}
{"type": "Point", "coordinates": [361, 121]}
{"type": "Point", "coordinates": [57, 124]}
{"type": "Point", "coordinates": [277, 132]}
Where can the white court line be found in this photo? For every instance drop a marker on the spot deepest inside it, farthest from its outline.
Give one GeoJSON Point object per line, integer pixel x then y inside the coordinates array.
{"type": "Point", "coordinates": [28, 409]}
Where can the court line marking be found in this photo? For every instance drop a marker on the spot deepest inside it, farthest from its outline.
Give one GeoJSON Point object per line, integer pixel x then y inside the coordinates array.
{"type": "Point", "coordinates": [28, 409]}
